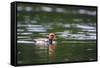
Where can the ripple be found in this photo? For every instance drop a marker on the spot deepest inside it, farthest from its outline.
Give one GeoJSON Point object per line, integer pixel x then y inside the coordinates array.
{"type": "Point", "coordinates": [66, 59]}
{"type": "Point", "coordinates": [20, 62]}
{"type": "Point", "coordinates": [20, 30]}
{"type": "Point", "coordinates": [46, 9]}
{"type": "Point", "coordinates": [89, 49]}
{"type": "Point", "coordinates": [91, 59]}
{"type": "Point", "coordinates": [24, 33]}
{"type": "Point", "coordinates": [60, 10]}
{"type": "Point", "coordinates": [83, 11]}
{"type": "Point", "coordinates": [28, 8]}
{"type": "Point", "coordinates": [25, 42]}
{"type": "Point", "coordinates": [23, 37]}
{"type": "Point", "coordinates": [19, 52]}
{"type": "Point", "coordinates": [19, 8]}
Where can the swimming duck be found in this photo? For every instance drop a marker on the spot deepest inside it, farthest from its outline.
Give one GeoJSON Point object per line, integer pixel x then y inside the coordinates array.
{"type": "Point", "coordinates": [46, 41]}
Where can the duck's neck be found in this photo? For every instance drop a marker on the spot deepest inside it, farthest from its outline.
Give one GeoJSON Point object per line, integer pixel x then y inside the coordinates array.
{"type": "Point", "coordinates": [50, 41]}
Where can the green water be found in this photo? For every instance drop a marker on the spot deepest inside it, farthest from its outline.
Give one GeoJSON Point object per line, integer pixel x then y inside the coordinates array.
{"type": "Point", "coordinates": [75, 29]}
{"type": "Point", "coordinates": [66, 52]}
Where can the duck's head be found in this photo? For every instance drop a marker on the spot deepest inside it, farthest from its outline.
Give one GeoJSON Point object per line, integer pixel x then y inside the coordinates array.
{"type": "Point", "coordinates": [52, 36]}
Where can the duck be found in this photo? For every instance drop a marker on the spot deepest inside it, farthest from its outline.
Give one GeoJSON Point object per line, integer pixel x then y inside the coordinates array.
{"type": "Point", "coordinates": [46, 41]}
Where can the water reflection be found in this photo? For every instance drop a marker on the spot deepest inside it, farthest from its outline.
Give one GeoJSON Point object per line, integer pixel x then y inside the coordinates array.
{"type": "Point", "coordinates": [57, 10]}
{"type": "Point", "coordinates": [84, 31]}
{"type": "Point", "coordinates": [19, 8]}
{"type": "Point", "coordinates": [52, 52]}
{"type": "Point", "coordinates": [82, 11]}
{"type": "Point", "coordinates": [46, 9]}
{"type": "Point", "coordinates": [28, 8]}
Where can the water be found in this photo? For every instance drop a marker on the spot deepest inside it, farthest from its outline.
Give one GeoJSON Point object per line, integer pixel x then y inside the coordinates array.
{"type": "Point", "coordinates": [75, 28]}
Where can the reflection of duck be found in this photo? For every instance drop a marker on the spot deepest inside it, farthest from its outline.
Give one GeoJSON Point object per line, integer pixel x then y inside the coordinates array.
{"type": "Point", "coordinates": [45, 41]}
{"type": "Point", "coordinates": [52, 52]}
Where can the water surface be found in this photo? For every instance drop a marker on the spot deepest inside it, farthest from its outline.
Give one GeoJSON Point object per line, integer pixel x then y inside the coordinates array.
{"type": "Point", "coordinates": [75, 28]}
